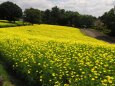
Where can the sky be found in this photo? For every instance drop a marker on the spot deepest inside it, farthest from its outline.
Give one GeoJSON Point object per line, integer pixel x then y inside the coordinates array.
{"type": "Point", "coordinates": [90, 7]}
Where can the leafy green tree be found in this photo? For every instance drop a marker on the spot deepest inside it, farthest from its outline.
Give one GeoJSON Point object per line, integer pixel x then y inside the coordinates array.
{"type": "Point", "coordinates": [100, 26]}
{"type": "Point", "coordinates": [69, 18]}
{"type": "Point", "coordinates": [87, 21]}
{"type": "Point", "coordinates": [62, 17]}
{"type": "Point", "coordinates": [55, 15]}
{"type": "Point", "coordinates": [10, 11]}
{"type": "Point", "coordinates": [32, 15]}
{"type": "Point", "coordinates": [109, 20]}
{"type": "Point", "coordinates": [72, 18]}
{"type": "Point", "coordinates": [42, 16]}
{"type": "Point", "coordinates": [47, 16]}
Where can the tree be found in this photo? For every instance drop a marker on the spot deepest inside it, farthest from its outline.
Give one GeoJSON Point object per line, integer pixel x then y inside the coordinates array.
{"type": "Point", "coordinates": [32, 15]}
{"type": "Point", "coordinates": [109, 20]}
{"type": "Point", "coordinates": [55, 15]}
{"type": "Point", "coordinates": [72, 18]}
{"type": "Point", "coordinates": [100, 26]}
{"type": "Point", "coordinates": [62, 17]}
{"type": "Point", "coordinates": [10, 11]}
{"type": "Point", "coordinates": [42, 17]}
{"type": "Point", "coordinates": [47, 16]}
{"type": "Point", "coordinates": [87, 21]}
{"type": "Point", "coordinates": [69, 18]}
{"type": "Point", "coordinates": [58, 16]}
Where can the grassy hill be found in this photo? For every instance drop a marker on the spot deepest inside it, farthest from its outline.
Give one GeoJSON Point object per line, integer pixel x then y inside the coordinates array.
{"type": "Point", "coordinates": [57, 55]}
{"type": "Point", "coordinates": [5, 23]}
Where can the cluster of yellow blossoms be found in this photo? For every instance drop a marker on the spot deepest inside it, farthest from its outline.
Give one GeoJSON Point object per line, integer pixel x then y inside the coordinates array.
{"type": "Point", "coordinates": [58, 56]}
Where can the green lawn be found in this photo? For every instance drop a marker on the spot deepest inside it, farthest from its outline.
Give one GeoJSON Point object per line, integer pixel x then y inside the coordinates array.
{"type": "Point", "coordinates": [5, 23]}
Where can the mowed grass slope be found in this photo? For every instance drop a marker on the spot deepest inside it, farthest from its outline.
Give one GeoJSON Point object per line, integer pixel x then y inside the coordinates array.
{"type": "Point", "coordinates": [57, 55]}
{"type": "Point", "coordinates": [5, 23]}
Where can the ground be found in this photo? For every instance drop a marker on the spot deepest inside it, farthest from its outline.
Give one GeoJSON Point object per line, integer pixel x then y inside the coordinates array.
{"type": "Point", "coordinates": [98, 35]}
{"type": "Point", "coordinates": [6, 78]}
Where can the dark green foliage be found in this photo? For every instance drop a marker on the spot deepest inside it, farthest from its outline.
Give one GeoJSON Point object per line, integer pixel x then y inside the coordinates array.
{"type": "Point", "coordinates": [32, 15]}
{"type": "Point", "coordinates": [46, 16]}
{"type": "Point", "coordinates": [109, 20]}
{"type": "Point", "coordinates": [87, 21]}
{"type": "Point", "coordinates": [100, 26]}
{"type": "Point", "coordinates": [59, 16]}
{"type": "Point", "coordinates": [72, 18]}
{"type": "Point", "coordinates": [56, 16]}
{"type": "Point", "coordinates": [10, 11]}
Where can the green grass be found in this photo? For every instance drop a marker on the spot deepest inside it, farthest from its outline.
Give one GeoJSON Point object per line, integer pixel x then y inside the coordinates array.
{"type": "Point", "coordinates": [5, 23]}
{"type": "Point", "coordinates": [5, 76]}
{"type": "Point", "coordinates": [56, 55]}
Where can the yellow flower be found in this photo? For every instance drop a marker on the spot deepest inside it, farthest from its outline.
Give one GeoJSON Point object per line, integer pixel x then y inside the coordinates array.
{"type": "Point", "coordinates": [41, 80]}
{"type": "Point", "coordinates": [53, 74]}
{"type": "Point", "coordinates": [110, 79]}
{"type": "Point", "coordinates": [83, 72]}
{"type": "Point", "coordinates": [93, 79]}
{"type": "Point", "coordinates": [66, 84]}
{"type": "Point", "coordinates": [28, 71]}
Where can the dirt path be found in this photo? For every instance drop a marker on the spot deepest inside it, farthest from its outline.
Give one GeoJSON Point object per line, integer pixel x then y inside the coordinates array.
{"type": "Point", "coordinates": [98, 35]}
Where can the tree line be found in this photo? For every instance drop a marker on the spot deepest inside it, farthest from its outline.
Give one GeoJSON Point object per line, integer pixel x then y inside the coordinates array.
{"type": "Point", "coordinates": [56, 16]}
{"type": "Point", "coordinates": [108, 18]}
{"type": "Point", "coordinates": [69, 18]}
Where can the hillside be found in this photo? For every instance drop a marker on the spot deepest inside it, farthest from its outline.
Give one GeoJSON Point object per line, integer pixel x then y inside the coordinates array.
{"type": "Point", "coordinates": [98, 35]}
{"type": "Point", "coordinates": [57, 55]}
{"type": "Point", "coordinates": [49, 32]}
{"type": "Point", "coordinates": [5, 23]}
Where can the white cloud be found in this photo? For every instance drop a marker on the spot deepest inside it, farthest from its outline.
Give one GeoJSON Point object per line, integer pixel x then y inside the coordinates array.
{"type": "Point", "coordinates": [92, 7]}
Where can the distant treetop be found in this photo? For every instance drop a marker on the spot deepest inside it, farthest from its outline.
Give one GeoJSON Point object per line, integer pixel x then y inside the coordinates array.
{"type": "Point", "coordinates": [10, 11]}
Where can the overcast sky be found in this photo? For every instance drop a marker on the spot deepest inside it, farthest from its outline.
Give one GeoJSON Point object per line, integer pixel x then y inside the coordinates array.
{"type": "Point", "coordinates": [92, 7]}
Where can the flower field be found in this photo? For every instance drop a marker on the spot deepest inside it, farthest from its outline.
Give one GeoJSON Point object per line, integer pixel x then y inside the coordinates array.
{"type": "Point", "coordinates": [47, 55]}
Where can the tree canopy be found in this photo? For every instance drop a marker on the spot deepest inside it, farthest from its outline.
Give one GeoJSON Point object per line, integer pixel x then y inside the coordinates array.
{"type": "Point", "coordinates": [32, 15]}
{"type": "Point", "coordinates": [69, 18]}
{"type": "Point", "coordinates": [56, 16]}
{"type": "Point", "coordinates": [109, 20]}
{"type": "Point", "coordinates": [10, 11]}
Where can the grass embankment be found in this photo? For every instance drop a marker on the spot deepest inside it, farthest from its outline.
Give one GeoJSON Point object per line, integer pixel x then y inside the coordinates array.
{"type": "Point", "coordinates": [7, 77]}
{"type": "Point", "coordinates": [4, 77]}
{"type": "Point", "coordinates": [5, 23]}
{"type": "Point", "coordinates": [55, 55]}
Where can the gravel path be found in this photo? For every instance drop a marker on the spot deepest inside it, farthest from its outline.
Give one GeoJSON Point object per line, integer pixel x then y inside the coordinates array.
{"type": "Point", "coordinates": [98, 35]}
